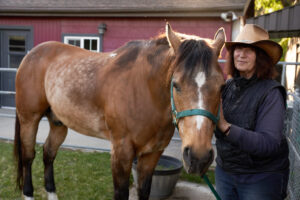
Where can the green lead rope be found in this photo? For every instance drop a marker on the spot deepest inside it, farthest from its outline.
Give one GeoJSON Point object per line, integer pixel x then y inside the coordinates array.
{"type": "Point", "coordinates": [211, 187]}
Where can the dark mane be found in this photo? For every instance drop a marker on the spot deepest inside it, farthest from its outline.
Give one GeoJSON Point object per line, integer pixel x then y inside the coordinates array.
{"type": "Point", "coordinates": [161, 40]}
{"type": "Point", "coordinates": [128, 54]}
{"type": "Point", "coordinates": [153, 51]}
{"type": "Point", "coordinates": [193, 53]}
{"type": "Point", "coordinates": [157, 48]}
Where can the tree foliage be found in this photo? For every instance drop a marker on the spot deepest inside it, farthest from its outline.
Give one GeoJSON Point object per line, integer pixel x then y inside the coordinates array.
{"type": "Point", "coordinates": [267, 6]}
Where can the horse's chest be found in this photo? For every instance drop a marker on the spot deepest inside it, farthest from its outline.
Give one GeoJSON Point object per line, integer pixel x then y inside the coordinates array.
{"type": "Point", "coordinates": [70, 90]}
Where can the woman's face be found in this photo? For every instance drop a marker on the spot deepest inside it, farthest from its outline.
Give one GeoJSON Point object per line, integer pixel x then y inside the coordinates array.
{"type": "Point", "coordinates": [244, 60]}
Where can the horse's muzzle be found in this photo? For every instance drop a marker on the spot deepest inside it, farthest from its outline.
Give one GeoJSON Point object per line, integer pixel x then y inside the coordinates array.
{"type": "Point", "coordinates": [194, 164]}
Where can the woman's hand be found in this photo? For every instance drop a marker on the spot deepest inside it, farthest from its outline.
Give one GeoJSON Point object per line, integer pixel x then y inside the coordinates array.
{"type": "Point", "coordinates": [223, 125]}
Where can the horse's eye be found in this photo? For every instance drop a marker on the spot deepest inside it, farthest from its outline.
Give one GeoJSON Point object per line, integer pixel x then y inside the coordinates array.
{"type": "Point", "coordinates": [176, 86]}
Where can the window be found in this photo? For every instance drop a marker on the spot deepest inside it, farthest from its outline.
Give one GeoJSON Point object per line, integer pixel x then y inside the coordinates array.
{"type": "Point", "coordinates": [89, 43]}
{"type": "Point", "coordinates": [17, 50]}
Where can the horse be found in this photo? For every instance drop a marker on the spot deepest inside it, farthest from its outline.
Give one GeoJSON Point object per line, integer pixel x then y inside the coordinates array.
{"type": "Point", "coordinates": [122, 96]}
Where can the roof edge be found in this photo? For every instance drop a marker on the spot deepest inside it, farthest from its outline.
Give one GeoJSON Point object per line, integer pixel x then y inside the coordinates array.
{"type": "Point", "coordinates": [129, 12]}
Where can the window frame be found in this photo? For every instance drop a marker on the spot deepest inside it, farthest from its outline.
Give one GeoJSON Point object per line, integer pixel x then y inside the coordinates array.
{"type": "Point", "coordinates": [67, 37]}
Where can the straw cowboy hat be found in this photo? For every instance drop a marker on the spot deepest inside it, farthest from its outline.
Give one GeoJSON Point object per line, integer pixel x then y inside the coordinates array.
{"type": "Point", "coordinates": [256, 36]}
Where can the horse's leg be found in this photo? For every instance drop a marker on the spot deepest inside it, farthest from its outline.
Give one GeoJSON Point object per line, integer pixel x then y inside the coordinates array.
{"type": "Point", "coordinates": [56, 137]}
{"type": "Point", "coordinates": [25, 139]}
{"type": "Point", "coordinates": [145, 168]}
{"type": "Point", "coordinates": [121, 161]}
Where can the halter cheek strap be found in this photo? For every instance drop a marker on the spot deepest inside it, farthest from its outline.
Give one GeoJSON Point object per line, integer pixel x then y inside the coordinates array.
{"type": "Point", "coordinates": [177, 115]}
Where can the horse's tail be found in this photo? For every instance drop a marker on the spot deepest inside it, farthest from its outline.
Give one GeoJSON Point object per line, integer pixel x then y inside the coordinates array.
{"type": "Point", "coordinates": [18, 154]}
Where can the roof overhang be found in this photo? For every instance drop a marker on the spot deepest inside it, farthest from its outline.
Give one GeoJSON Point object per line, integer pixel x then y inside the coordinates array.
{"type": "Point", "coordinates": [282, 23]}
{"type": "Point", "coordinates": [128, 12]}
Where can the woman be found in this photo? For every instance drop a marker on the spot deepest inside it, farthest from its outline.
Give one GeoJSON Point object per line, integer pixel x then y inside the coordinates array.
{"type": "Point", "coordinates": [252, 152]}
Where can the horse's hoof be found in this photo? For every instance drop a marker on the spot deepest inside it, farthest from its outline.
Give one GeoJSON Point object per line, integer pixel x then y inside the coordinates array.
{"type": "Point", "coordinates": [52, 196]}
{"type": "Point", "coordinates": [28, 198]}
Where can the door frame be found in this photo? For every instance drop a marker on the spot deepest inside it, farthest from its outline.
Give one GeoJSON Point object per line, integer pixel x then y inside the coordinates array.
{"type": "Point", "coordinates": [8, 28]}
{"type": "Point", "coordinates": [15, 28]}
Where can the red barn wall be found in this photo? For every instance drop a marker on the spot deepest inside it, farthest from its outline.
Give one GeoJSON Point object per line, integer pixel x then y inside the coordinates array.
{"type": "Point", "coordinates": [119, 30]}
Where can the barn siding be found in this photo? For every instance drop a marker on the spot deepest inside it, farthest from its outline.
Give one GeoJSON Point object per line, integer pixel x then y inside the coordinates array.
{"type": "Point", "coordinates": [43, 29]}
{"type": "Point", "coordinates": [119, 30]}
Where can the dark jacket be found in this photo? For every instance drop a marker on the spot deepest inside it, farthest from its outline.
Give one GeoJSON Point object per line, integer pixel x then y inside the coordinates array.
{"type": "Point", "coordinates": [244, 102]}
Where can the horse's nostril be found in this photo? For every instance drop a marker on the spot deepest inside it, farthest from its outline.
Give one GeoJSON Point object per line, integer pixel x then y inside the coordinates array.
{"type": "Point", "coordinates": [187, 150]}
{"type": "Point", "coordinates": [186, 153]}
{"type": "Point", "coordinates": [209, 157]}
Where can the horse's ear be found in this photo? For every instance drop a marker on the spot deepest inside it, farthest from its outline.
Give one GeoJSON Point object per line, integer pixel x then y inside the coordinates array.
{"type": "Point", "coordinates": [220, 39]}
{"type": "Point", "coordinates": [173, 39]}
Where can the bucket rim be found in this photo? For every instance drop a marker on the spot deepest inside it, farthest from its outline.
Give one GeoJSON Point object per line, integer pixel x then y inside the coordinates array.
{"type": "Point", "coordinates": [178, 166]}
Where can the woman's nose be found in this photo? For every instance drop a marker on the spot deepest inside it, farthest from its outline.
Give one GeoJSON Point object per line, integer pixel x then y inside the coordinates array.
{"type": "Point", "coordinates": [242, 53]}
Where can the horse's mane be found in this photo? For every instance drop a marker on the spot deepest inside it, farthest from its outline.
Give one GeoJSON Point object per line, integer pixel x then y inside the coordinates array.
{"type": "Point", "coordinates": [161, 39]}
{"type": "Point", "coordinates": [192, 53]}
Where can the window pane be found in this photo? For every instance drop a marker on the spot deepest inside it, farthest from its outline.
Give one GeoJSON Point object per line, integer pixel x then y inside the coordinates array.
{"type": "Point", "coordinates": [15, 60]}
{"type": "Point", "coordinates": [71, 42]}
{"type": "Point", "coordinates": [17, 43]}
{"type": "Point", "coordinates": [77, 43]}
{"type": "Point", "coordinates": [87, 44]}
{"type": "Point", "coordinates": [74, 42]}
{"type": "Point", "coordinates": [94, 45]}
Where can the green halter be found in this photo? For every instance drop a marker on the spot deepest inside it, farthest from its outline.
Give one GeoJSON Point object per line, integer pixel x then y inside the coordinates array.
{"type": "Point", "coordinates": [191, 112]}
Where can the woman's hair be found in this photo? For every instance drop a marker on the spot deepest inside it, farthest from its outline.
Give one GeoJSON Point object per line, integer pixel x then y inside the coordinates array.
{"type": "Point", "coordinates": [263, 64]}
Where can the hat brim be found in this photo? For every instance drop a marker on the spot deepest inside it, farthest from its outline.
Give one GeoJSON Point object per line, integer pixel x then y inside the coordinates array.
{"type": "Point", "coordinates": [273, 49]}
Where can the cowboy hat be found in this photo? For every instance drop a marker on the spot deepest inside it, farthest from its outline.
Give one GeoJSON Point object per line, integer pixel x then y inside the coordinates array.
{"type": "Point", "coordinates": [256, 36]}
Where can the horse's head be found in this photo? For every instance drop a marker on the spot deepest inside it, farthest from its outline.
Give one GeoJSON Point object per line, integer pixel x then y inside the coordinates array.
{"type": "Point", "coordinates": [195, 89]}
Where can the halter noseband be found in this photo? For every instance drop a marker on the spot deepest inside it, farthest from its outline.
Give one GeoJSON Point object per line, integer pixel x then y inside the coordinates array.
{"type": "Point", "coordinates": [191, 112]}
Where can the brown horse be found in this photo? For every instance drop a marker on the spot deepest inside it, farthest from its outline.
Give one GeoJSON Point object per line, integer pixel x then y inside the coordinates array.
{"type": "Point", "coordinates": [122, 96]}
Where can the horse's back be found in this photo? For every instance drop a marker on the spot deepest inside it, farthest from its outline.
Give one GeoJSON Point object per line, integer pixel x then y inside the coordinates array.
{"type": "Point", "coordinates": [36, 62]}
{"type": "Point", "coordinates": [32, 70]}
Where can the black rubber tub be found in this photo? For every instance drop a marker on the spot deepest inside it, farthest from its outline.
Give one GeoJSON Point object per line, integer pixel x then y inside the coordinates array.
{"type": "Point", "coordinates": [165, 176]}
